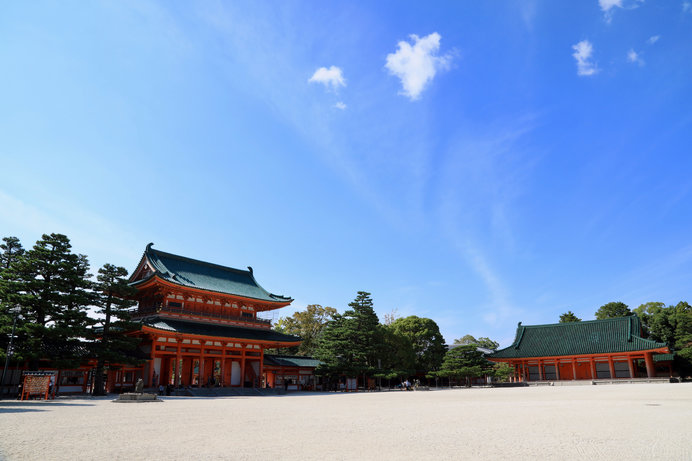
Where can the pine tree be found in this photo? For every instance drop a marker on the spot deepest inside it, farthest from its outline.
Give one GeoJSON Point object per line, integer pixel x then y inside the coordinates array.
{"type": "Point", "coordinates": [333, 349]}
{"type": "Point", "coordinates": [349, 344]}
{"type": "Point", "coordinates": [568, 317]}
{"type": "Point", "coordinates": [365, 334]}
{"type": "Point", "coordinates": [51, 284]}
{"type": "Point", "coordinates": [12, 251]}
{"type": "Point", "coordinates": [113, 345]}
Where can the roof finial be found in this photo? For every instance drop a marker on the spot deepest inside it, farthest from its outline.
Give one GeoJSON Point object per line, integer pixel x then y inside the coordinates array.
{"type": "Point", "coordinates": [250, 269]}
{"type": "Point", "coordinates": [150, 245]}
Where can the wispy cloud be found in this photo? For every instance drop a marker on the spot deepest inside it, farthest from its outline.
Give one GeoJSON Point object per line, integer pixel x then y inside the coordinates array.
{"type": "Point", "coordinates": [331, 78]}
{"type": "Point", "coordinates": [653, 39]}
{"type": "Point", "coordinates": [86, 229]}
{"type": "Point", "coordinates": [686, 7]}
{"type": "Point", "coordinates": [608, 6]}
{"type": "Point", "coordinates": [340, 105]}
{"type": "Point", "coordinates": [634, 57]}
{"type": "Point", "coordinates": [477, 214]}
{"type": "Point", "coordinates": [417, 64]}
{"type": "Point", "coordinates": [582, 53]}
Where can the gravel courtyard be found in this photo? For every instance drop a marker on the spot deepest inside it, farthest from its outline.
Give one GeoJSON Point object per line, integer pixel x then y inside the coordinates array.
{"type": "Point", "coordinates": [623, 421]}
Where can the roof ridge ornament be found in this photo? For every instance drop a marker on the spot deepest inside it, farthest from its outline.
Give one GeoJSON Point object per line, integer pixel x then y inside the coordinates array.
{"type": "Point", "coordinates": [520, 335]}
{"type": "Point", "coordinates": [249, 268]}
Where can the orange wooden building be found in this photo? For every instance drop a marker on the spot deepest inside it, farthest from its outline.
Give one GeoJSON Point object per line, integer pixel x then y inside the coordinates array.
{"type": "Point", "coordinates": [595, 349]}
{"type": "Point", "coordinates": [293, 373]}
{"type": "Point", "coordinates": [199, 324]}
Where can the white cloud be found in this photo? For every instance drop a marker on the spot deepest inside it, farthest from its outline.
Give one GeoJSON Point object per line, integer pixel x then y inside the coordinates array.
{"type": "Point", "coordinates": [633, 56]}
{"type": "Point", "coordinates": [686, 7]}
{"type": "Point", "coordinates": [653, 39]}
{"type": "Point", "coordinates": [417, 65]}
{"type": "Point", "coordinates": [607, 5]}
{"type": "Point", "coordinates": [582, 53]}
{"type": "Point", "coordinates": [340, 105]}
{"type": "Point", "coordinates": [331, 78]}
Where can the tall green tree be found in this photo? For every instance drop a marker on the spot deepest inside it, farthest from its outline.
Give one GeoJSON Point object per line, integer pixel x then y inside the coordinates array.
{"type": "Point", "coordinates": [333, 349]}
{"type": "Point", "coordinates": [351, 343]}
{"type": "Point", "coordinates": [365, 333]}
{"type": "Point", "coordinates": [612, 310]}
{"type": "Point", "coordinates": [672, 325]}
{"type": "Point", "coordinates": [569, 317]}
{"type": "Point", "coordinates": [465, 362]}
{"type": "Point", "coordinates": [307, 324]}
{"type": "Point", "coordinates": [51, 284]}
{"type": "Point", "coordinates": [647, 312]}
{"type": "Point", "coordinates": [398, 357]}
{"type": "Point", "coordinates": [112, 295]}
{"type": "Point", "coordinates": [12, 251]}
{"type": "Point", "coordinates": [426, 340]}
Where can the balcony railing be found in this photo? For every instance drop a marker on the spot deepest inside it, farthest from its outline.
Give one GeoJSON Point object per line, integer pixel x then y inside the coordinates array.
{"type": "Point", "coordinates": [149, 310]}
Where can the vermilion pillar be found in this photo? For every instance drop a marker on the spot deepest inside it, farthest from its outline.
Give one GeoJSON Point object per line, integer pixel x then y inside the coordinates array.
{"type": "Point", "coordinates": [611, 367]}
{"type": "Point", "coordinates": [242, 366]}
{"type": "Point", "coordinates": [650, 368]}
{"type": "Point", "coordinates": [178, 365]}
{"type": "Point", "coordinates": [152, 363]}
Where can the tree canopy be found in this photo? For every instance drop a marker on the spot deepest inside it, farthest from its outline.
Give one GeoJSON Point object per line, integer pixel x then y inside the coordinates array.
{"type": "Point", "coordinates": [672, 325]}
{"type": "Point", "coordinates": [53, 288]}
{"type": "Point", "coordinates": [483, 342]}
{"type": "Point", "coordinates": [350, 344]}
{"type": "Point", "coordinates": [112, 344]}
{"type": "Point", "coordinates": [612, 310]}
{"type": "Point", "coordinates": [51, 285]}
{"type": "Point", "coordinates": [307, 324]}
{"type": "Point", "coordinates": [568, 317]}
{"type": "Point", "coordinates": [465, 362]}
{"type": "Point", "coordinates": [427, 342]}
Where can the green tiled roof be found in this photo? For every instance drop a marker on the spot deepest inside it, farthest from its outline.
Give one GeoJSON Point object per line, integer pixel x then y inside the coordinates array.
{"type": "Point", "coordinates": [290, 361]}
{"type": "Point", "coordinates": [663, 357]}
{"type": "Point", "coordinates": [219, 331]}
{"type": "Point", "coordinates": [622, 334]}
{"type": "Point", "coordinates": [207, 276]}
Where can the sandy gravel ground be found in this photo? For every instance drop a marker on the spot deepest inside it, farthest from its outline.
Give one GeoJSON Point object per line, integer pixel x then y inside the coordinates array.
{"type": "Point", "coordinates": [625, 421]}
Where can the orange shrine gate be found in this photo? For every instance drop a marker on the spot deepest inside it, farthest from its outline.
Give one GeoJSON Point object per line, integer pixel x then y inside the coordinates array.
{"type": "Point", "coordinates": [199, 324]}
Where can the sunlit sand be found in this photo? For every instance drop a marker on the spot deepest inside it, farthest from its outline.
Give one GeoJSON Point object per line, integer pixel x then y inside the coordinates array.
{"type": "Point", "coordinates": [622, 421]}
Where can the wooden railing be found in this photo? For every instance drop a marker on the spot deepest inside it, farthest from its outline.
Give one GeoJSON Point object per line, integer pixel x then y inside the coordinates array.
{"type": "Point", "coordinates": [149, 310]}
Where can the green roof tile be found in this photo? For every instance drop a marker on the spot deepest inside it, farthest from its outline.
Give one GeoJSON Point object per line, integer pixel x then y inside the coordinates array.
{"type": "Point", "coordinates": [622, 334]}
{"type": "Point", "coordinates": [219, 331]}
{"type": "Point", "coordinates": [290, 361]}
{"type": "Point", "coordinates": [206, 276]}
{"type": "Point", "coordinates": [663, 357]}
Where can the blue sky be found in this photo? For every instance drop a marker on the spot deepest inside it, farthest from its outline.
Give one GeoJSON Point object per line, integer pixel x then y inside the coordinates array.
{"type": "Point", "coordinates": [478, 163]}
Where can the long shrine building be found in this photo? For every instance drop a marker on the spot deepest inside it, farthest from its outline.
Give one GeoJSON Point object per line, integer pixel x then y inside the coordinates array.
{"type": "Point", "coordinates": [199, 324]}
{"type": "Point", "coordinates": [594, 349]}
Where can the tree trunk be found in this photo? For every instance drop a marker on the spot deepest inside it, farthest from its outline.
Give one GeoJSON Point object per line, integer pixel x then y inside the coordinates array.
{"type": "Point", "coordinates": [98, 379]}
